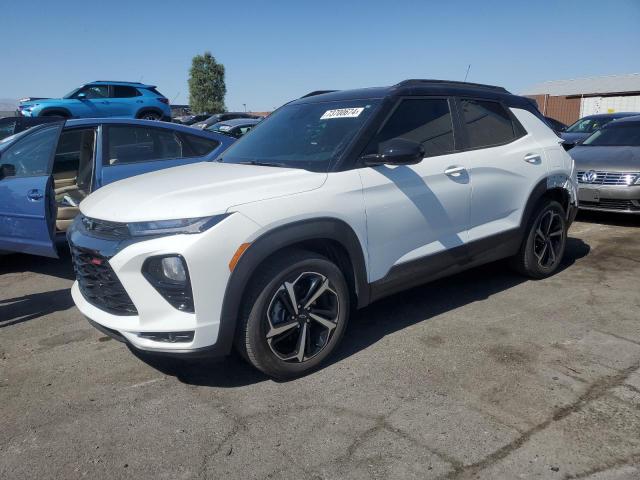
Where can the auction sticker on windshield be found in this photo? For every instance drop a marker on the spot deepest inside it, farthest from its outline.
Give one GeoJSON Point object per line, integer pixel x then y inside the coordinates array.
{"type": "Point", "coordinates": [341, 113]}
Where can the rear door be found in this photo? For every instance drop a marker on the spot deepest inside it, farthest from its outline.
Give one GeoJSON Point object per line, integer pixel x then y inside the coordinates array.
{"type": "Point", "coordinates": [504, 164]}
{"type": "Point", "coordinates": [27, 203]}
{"type": "Point", "coordinates": [125, 101]}
{"type": "Point", "coordinates": [130, 150]}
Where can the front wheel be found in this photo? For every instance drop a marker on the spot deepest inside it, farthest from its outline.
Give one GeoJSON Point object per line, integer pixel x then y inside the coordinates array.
{"type": "Point", "coordinates": [296, 311]}
{"type": "Point", "coordinates": [543, 247]}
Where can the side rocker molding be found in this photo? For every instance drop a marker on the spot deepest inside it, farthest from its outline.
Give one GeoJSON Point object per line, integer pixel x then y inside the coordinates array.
{"type": "Point", "coordinates": [277, 239]}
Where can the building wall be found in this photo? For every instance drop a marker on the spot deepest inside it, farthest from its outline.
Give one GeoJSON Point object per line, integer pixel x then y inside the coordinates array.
{"type": "Point", "coordinates": [593, 105]}
{"type": "Point", "coordinates": [563, 109]}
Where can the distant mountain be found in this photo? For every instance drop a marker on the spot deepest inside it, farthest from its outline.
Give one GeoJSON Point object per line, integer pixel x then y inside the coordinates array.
{"type": "Point", "coordinates": [8, 104]}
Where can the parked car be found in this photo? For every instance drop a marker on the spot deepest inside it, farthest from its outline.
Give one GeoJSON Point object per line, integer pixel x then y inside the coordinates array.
{"type": "Point", "coordinates": [222, 117]}
{"type": "Point", "coordinates": [235, 128]}
{"type": "Point", "coordinates": [608, 164]}
{"type": "Point", "coordinates": [191, 119]}
{"type": "Point", "coordinates": [46, 171]}
{"type": "Point", "coordinates": [555, 125]}
{"type": "Point", "coordinates": [584, 127]}
{"type": "Point", "coordinates": [103, 99]}
{"type": "Point", "coordinates": [334, 201]}
{"type": "Point", "coordinates": [12, 125]}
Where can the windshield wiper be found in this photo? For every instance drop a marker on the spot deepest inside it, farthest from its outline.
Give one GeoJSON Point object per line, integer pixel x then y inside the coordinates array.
{"type": "Point", "coordinates": [263, 164]}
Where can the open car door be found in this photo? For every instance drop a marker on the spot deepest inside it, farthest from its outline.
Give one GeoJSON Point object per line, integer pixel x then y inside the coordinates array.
{"type": "Point", "coordinates": [27, 201]}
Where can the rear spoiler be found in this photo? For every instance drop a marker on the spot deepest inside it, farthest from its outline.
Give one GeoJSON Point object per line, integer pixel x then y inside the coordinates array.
{"type": "Point", "coordinates": [317, 92]}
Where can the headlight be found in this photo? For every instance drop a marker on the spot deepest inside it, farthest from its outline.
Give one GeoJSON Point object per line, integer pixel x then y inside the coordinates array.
{"type": "Point", "coordinates": [174, 227]}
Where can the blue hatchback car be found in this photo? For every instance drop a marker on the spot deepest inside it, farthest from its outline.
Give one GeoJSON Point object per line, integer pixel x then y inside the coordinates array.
{"type": "Point", "coordinates": [102, 99]}
{"type": "Point", "coordinates": [47, 170]}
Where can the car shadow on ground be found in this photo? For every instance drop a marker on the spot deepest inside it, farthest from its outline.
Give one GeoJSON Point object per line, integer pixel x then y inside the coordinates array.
{"type": "Point", "coordinates": [53, 267]}
{"type": "Point", "coordinates": [372, 323]}
{"type": "Point", "coordinates": [609, 218]}
{"type": "Point", "coordinates": [35, 305]}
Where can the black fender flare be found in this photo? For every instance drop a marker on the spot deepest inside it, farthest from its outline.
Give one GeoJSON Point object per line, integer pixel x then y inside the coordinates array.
{"type": "Point", "coordinates": [277, 239]}
{"type": "Point", "coordinates": [552, 182]}
{"type": "Point", "coordinates": [49, 110]}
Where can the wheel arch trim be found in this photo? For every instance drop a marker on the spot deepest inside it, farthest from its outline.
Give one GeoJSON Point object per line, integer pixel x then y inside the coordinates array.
{"type": "Point", "coordinates": [284, 236]}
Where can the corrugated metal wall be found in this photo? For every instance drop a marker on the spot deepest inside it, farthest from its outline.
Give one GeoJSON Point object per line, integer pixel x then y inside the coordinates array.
{"type": "Point", "coordinates": [563, 109]}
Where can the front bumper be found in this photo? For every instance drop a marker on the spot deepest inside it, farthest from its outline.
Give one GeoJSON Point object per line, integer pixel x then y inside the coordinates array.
{"type": "Point", "coordinates": [207, 256]}
{"type": "Point", "coordinates": [620, 198]}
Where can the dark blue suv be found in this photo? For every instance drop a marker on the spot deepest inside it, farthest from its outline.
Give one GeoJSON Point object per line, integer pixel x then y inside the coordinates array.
{"type": "Point", "coordinates": [102, 99]}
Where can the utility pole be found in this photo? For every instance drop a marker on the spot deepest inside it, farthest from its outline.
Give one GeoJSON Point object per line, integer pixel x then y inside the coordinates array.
{"type": "Point", "coordinates": [467, 74]}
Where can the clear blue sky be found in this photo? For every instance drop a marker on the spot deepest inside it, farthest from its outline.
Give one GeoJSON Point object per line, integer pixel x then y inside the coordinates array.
{"type": "Point", "coordinates": [277, 50]}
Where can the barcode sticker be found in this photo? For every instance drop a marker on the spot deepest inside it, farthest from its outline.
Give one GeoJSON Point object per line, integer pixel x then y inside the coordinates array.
{"type": "Point", "coordinates": [341, 113]}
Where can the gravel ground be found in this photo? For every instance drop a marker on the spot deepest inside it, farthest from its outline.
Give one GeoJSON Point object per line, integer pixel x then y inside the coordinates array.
{"type": "Point", "coordinates": [482, 375]}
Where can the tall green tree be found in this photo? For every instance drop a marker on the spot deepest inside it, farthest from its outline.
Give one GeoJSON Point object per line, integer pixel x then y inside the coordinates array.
{"type": "Point", "coordinates": [206, 85]}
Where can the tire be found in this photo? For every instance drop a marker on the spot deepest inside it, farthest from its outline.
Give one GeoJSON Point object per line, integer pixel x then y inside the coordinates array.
{"type": "Point", "coordinates": [149, 115]}
{"type": "Point", "coordinates": [271, 328]}
{"type": "Point", "coordinates": [543, 247]}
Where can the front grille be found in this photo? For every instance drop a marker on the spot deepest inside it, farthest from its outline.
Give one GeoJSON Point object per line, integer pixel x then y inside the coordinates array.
{"type": "Point", "coordinates": [610, 204]}
{"type": "Point", "coordinates": [610, 178]}
{"type": "Point", "coordinates": [105, 229]}
{"type": "Point", "coordinates": [99, 284]}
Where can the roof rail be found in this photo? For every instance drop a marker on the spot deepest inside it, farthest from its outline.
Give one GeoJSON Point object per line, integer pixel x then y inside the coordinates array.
{"type": "Point", "coordinates": [317, 92]}
{"type": "Point", "coordinates": [117, 81]}
{"type": "Point", "coordinates": [417, 81]}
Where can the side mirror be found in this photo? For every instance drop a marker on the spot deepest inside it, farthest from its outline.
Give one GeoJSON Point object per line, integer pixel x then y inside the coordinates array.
{"type": "Point", "coordinates": [396, 152]}
{"type": "Point", "coordinates": [7, 170]}
{"type": "Point", "coordinates": [81, 96]}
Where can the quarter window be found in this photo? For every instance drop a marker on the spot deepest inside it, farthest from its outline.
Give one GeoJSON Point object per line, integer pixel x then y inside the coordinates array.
{"type": "Point", "coordinates": [425, 121]}
{"type": "Point", "coordinates": [487, 123]}
{"type": "Point", "coordinates": [128, 144]}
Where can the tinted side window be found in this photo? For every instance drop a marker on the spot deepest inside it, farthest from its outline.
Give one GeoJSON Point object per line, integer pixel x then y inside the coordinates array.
{"type": "Point", "coordinates": [425, 121]}
{"type": "Point", "coordinates": [201, 146]}
{"type": "Point", "coordinates": [121, 91]}
{"type": "Point", "coordinates": [129, 144]}
{"type": "Point", "coordinates": [487, 123]}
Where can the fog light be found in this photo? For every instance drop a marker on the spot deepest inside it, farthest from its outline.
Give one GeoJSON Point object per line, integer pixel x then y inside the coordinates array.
{"type": "Point", "coordinates": [173, 269]}
{"type": "Point", "coordinates": [169, 275]}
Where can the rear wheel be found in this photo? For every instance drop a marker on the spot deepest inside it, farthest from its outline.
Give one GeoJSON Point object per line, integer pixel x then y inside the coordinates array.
{"type": "Point", "coordinates": [296, 311]}
{"type": "Point", "coordinates": [543, 247]}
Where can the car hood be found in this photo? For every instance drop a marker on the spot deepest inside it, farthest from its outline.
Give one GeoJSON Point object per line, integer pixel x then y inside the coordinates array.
{"type": "Point", "coordinates": [196, 190]}
{"type": "Point", "coordinates": [43, 101]}
{"type": "Point", "coordinates": [573, 137]}
{"type": "Point", "coordinates": [621, 159]}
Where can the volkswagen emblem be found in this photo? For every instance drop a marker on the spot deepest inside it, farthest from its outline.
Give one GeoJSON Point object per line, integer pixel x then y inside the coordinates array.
{"type": "Point", "coordinates": [589, 176]}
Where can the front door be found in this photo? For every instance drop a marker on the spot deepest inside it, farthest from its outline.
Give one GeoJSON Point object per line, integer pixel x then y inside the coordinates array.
{"type": "Point", "coordinates": [27, 203]}
{"type": "Point", "coordinates": [416, 211]}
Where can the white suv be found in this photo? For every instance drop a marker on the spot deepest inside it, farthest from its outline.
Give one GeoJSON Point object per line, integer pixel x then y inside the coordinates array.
{"type": "Point", "coordinates": [334, 201]}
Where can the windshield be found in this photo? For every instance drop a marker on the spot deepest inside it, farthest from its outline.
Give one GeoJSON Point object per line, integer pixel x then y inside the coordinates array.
{"type": "Point", "coordinates": [10, 139]}
{"type": "Point", "coordinates": [71, 93]}
{"type": "Point", "coordinates": [308, 136]}
{"type": "Point", "coordinates": [621, 135]}
{"type": "Point", "coordinates": [588, 125]}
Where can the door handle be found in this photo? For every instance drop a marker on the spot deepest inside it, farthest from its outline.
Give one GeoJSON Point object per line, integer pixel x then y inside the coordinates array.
{"type": "Point", "coordinates": [455, 171]}
{"type": "Point", "coordinates": [34, 195]}
{"type": "Point", "coordinates": [533, 158]}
